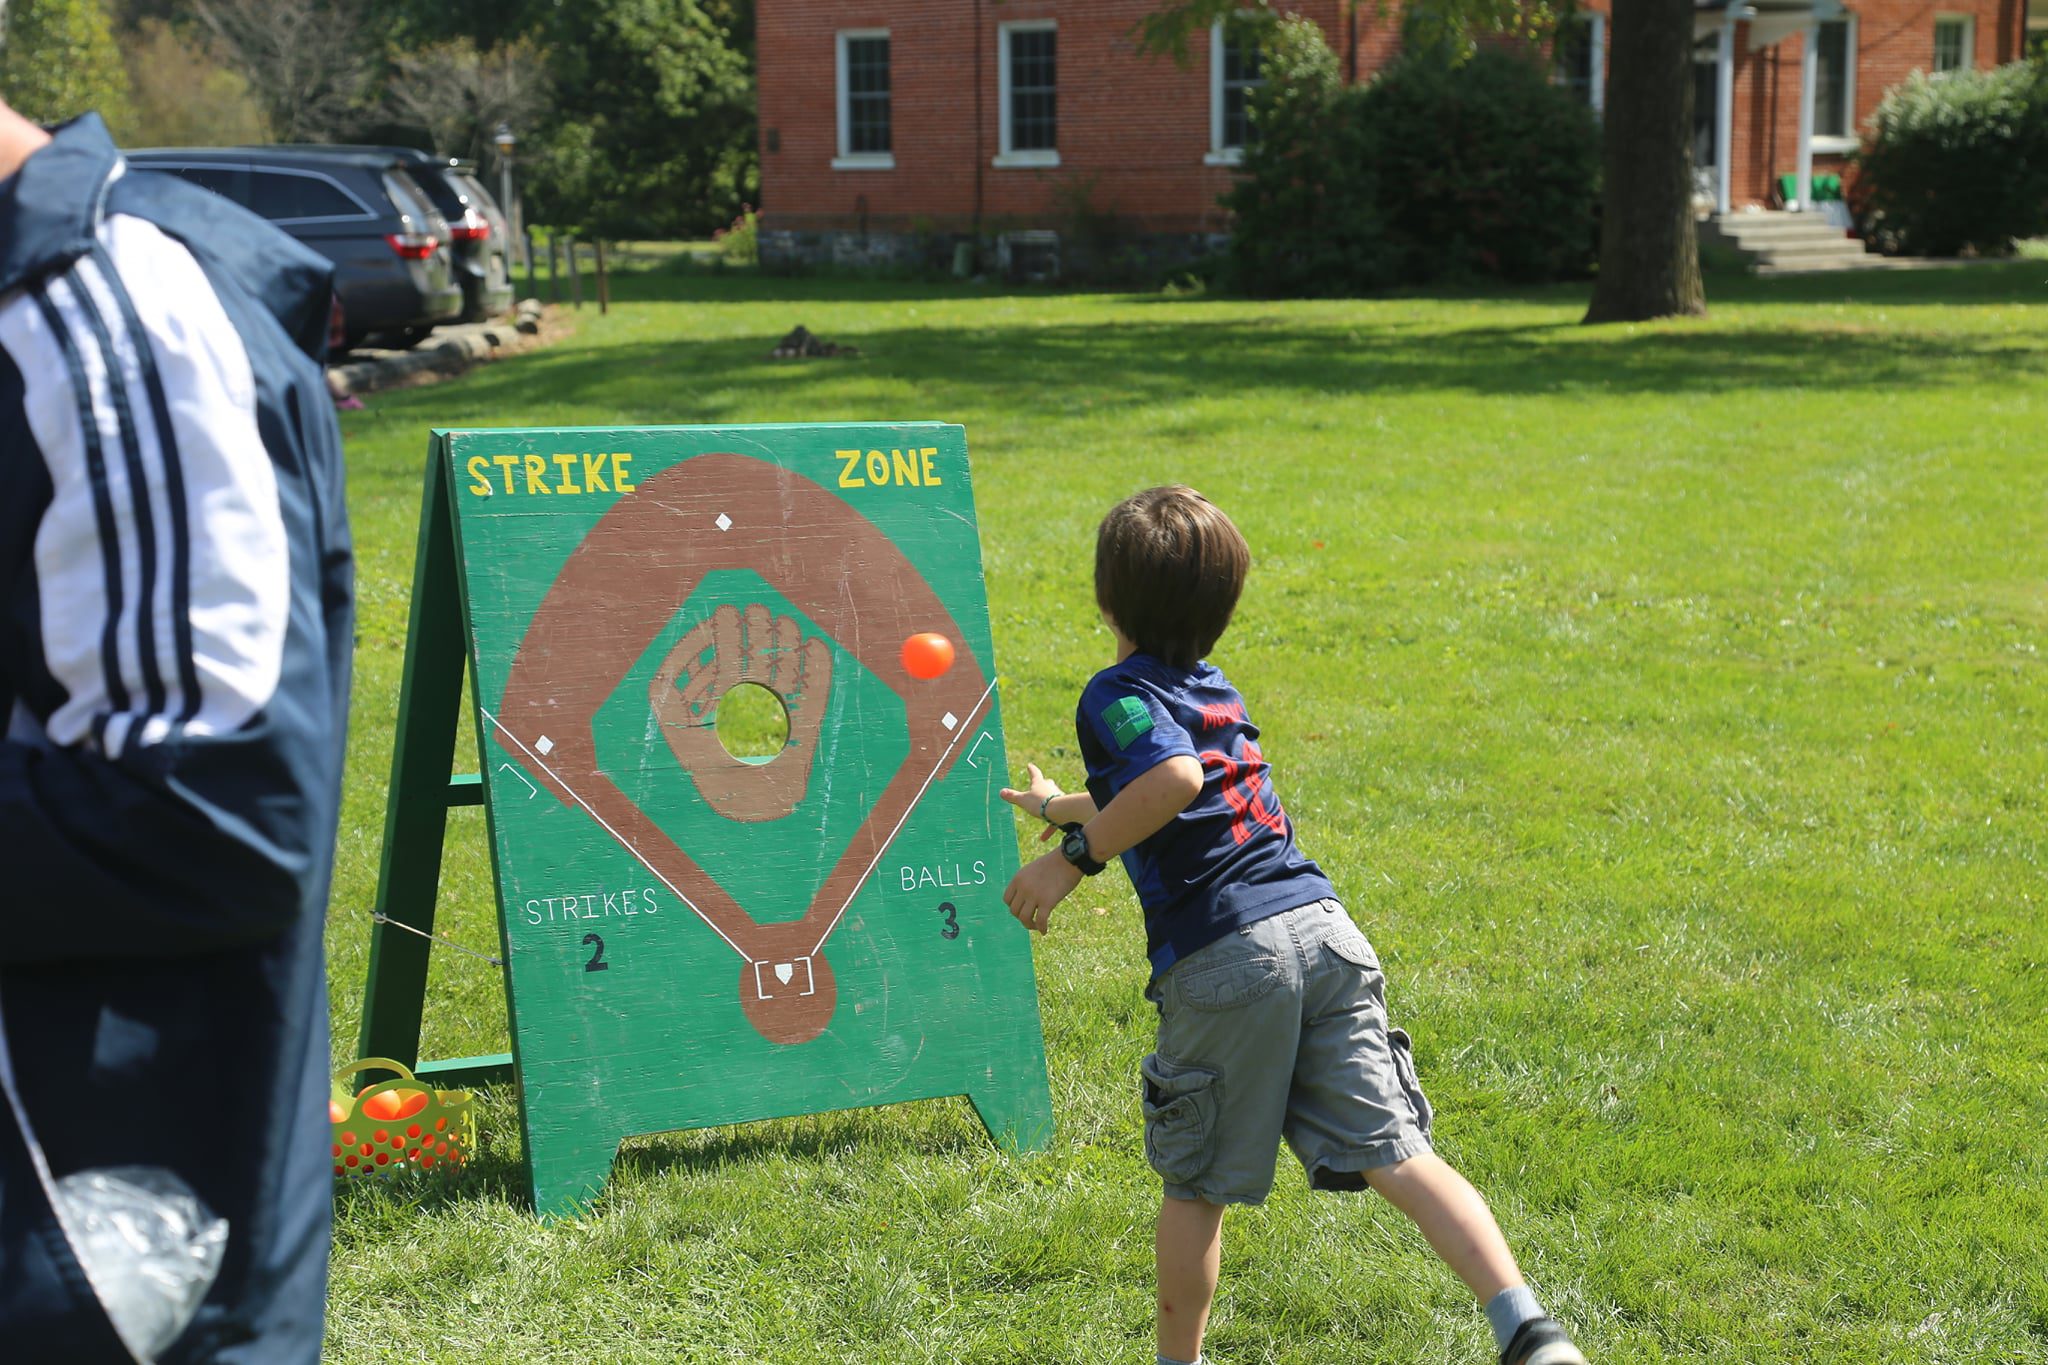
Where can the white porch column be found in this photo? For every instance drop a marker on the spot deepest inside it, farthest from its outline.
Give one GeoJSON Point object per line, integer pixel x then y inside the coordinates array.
{"type": "Point", "coordinates": [1809, 77]}
{"type": "Point", "coordinates": [1724, 111]}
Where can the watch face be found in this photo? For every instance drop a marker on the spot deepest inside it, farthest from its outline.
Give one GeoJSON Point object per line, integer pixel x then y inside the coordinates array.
{"type": "Point", "coordinates": [1074, 847]}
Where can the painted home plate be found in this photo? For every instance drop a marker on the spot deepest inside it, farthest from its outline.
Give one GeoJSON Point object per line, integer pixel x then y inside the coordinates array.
{"type": "Point", "coordinates": [696, 938]}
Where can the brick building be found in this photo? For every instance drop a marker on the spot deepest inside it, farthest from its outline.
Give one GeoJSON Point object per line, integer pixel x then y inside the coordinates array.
{"type": "Point", "coordinates": [890, 128]}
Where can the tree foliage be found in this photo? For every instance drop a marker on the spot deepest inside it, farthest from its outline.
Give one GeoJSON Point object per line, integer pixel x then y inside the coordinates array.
{"type": "Point", "coordinates": [1438, 169]}
{"type": "Point", "coordinates": [1649, 268]}
{"type": "Point", "coordinates": [654, 128]}
{"type": "Point", "coordinates": [458, 94]}
{"type": "Point", "coordinates": [1451, 27]}
{"type": "Point", "coordinates": [58, 60]}
{"type": "Point", "coordinates": [179, 96]}
{"type": "Point", "coordinates": [1958, 161]}
{"type": "Point", "coordinates": [308, 62]}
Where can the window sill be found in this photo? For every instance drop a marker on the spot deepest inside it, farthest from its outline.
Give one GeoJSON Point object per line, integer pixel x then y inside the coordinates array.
{"type": "Point", "coordinates": [871, 161]}
{"type": "Point", "coordinates": [1225, 156]}
{"type": "Point", "coordinates": [1835, 146]}
{"type": "Point", "coordinates": [1017, 160]}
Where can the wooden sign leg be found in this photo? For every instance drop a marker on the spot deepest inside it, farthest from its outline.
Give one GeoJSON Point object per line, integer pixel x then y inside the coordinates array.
{"type": "Point", "coordinates": [416, 809]}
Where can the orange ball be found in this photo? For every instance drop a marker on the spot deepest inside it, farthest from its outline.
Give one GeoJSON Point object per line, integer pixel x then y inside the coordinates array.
{"type": "Point", "coordinates": [383, 1105]}
{"type": "Point", "coordinates": [410, 1103]}
{"type": "Point", "coordinates": [335, 1113]}
{"type": "Point", "coordinates": [927, 655]}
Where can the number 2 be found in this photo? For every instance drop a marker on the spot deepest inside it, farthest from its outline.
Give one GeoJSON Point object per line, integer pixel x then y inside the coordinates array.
{"type": "Point", "coordinates": [597, 962]}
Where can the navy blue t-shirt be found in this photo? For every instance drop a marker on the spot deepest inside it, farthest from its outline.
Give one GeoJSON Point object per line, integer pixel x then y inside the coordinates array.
{"type": "Point", "coordinates": [1229, 859]}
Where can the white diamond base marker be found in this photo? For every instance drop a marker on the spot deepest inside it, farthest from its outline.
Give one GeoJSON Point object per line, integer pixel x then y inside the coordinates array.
{"type": "Point", "coordinates": [724, 522]}
{"type": "Point", "coordinates": [545, 745]}
{"type": "Point", "coordinates": [949, 720]}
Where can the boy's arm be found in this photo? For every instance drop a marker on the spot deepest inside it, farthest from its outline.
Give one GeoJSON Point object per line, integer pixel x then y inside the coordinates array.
{"type": "Point", "coordinates": [1042, 798]}
{"type": "Point", "coordinates": [1140, 810]}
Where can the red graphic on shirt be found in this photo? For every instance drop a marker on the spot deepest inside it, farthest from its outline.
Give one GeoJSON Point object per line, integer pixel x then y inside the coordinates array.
{"type": "Point", "coordinates": [1244, 792]}
{"type": "Point", "coordinates": [1216, 717]}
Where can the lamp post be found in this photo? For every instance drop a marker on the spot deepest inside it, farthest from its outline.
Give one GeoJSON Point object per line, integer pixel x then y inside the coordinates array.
{"type": "Point", "coordinates": [505, 142]}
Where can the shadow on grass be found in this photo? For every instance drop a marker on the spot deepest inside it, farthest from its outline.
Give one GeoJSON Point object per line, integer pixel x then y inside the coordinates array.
{"type": "Point", "coordinates": [496, 1173]}
{"type": "Point", "coordinates": [1970, 284]}
{"type": "Point", "coordinates": [929, 1128]}
{"type": "Point", "coordinates": [1124, 364]}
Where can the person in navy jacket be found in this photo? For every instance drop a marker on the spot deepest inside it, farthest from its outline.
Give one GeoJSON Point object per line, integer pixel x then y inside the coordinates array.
{"type": "Point", "coordinates": [176, 609]}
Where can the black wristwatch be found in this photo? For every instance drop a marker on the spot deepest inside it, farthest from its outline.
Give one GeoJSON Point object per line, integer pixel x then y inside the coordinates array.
{"type": "Point", "coordinates": [1074, 848]}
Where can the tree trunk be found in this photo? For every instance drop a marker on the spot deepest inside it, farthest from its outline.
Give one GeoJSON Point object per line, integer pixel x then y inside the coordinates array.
{"type": "Point", "coordinates": [1649, 247]}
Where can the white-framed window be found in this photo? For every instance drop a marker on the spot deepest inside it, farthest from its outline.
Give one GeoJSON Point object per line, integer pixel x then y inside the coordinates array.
{"type": "Point", "coordinates": [1579, 58]}
{"type": "Point", "coordinates": [1028, 57]}
{"type": "Point", "coordinates": [1955, 43]}
{"type": "Point", "coordinates": [1234, 72]}
{"type": "Point", "coordinates": [1834, 87]}
{"type": "Point", "coordinates": [865, 135]}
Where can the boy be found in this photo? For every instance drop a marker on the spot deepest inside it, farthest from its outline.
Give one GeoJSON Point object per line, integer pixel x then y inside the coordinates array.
{"type": "Point", "coordinates": [1272, 1016]}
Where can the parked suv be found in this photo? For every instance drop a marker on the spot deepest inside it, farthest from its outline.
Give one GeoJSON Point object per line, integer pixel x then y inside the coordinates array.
{"type": "Point", "coordinates": [390, 246]}
{"type": "Point", "coordinates": [479, 234]}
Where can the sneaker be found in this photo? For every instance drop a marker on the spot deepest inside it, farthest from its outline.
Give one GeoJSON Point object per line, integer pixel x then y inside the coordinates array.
{"type": "Point", "coordinates": [1540, 1341]}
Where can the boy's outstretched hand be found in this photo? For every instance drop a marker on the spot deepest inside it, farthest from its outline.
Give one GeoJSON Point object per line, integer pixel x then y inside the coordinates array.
{"type": "Point", "coordinates": [1038, 886]}
{"type": "Point", "coordinates": [1032, 799]}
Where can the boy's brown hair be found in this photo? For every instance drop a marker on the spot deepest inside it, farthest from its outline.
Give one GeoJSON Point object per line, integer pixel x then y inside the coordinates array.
{"type": "Point", "coordinates": [1169, 566]}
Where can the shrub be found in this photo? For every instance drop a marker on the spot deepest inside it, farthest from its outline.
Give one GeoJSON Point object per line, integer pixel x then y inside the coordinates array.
{"type": "Point", "coordinates": [740, 244]}
{"type": "Point", "coordinates": [1957, 161]}
{"type": "Point", "coordinates": [1307, 221]}
{"type": "Point", "coordinates": [1439, 169]}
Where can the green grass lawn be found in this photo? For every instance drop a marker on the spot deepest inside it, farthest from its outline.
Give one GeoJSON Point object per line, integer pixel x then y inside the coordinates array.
{"type": "Point", "coordinates": [1666, 702]}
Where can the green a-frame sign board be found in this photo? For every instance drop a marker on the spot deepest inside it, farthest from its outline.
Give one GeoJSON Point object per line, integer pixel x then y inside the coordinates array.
{"type": "Point", "coordinates": [691, 938]}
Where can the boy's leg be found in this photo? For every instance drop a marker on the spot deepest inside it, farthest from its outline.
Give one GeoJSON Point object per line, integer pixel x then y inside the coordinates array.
{"type": "Point", "coordinates": [1357, 1116]}
{"type": "Point", "coordinates": [1453, 1218]}
{"type": "Point", "coordinates": [1189, 1250]}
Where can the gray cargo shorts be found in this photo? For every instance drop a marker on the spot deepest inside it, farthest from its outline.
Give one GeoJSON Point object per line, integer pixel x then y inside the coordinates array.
{"type": "Point", "coordinates": [1278, 1031]}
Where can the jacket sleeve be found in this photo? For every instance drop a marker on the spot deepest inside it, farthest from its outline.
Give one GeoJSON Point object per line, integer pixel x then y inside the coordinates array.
{"type": "Point", "coordinates": [170, 779]}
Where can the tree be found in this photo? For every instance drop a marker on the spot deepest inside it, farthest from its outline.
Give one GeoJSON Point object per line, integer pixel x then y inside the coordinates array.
{"type": "Point", "coordinates": [306, 61]}
{"type": "Point", "coordinates": [179, 96]}
{"type": "Point", "coordinates": [673, 157]}
{"type": "Point", "coordinates": [457, 95]}
{"type": "Point", "coordinates": [1649, 246]}
{"type": "Point", "coordinates": [58, 60]}
{"type": "Point", "coordinates": [1649, 259]}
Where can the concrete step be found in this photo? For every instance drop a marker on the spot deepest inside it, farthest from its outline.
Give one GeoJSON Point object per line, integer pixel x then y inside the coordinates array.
{"type": "Point", "coordinates": [1788, 251]}
{"type": "Point", "coordinates": [1868, 262]}
{"type": "Point", "coordinates": [1772, 229]}
{"type": "Point", "coordinates": [1769, 236]}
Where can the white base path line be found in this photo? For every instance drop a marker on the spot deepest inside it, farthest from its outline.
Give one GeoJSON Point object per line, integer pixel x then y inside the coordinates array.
{"type": "Point", "coordinates": [958, 734]}
{"type": "Point", "coordinates": [619, 838]}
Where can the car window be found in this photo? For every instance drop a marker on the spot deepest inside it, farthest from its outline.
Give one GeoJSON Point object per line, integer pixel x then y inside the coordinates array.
{"type": "Point", "coordinates": [412, 202]}
{"type": "Point", "coordinates": [281, 195]}
{"type": "Point", "coordinates": [442, 189]}
{"type": "Point", "coordinates": [225, 181]}
{"type": "Point", "coordinates": [476, 193]}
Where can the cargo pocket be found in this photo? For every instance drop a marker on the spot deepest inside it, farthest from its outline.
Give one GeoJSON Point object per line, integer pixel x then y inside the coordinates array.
{"type": "Point", "coordinates": [1404, 1068]}
{"type": "Point", "coordinates": [1351, 945]}
{"type": "Point", "coordinates": [1180, 1118]}
{"type": "Point", "coordinates": [1224, 976]}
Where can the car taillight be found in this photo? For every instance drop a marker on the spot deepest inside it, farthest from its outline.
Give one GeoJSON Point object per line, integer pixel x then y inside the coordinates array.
{"type": "Point", "coordinates": [474, 227]}
{"type": "Point", "coordinates": [412, 246]}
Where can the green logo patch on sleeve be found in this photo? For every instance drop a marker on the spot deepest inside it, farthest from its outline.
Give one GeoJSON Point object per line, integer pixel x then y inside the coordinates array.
{"type": "Point", "coordinates": [1127, 718]}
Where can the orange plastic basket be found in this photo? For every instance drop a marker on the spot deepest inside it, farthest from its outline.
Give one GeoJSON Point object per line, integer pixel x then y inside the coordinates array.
{"type": "Point", "coordinates": [428, 1130]}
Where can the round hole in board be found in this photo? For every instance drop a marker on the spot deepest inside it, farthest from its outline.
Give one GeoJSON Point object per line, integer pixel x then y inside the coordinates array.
{"type": "Point", "coordinates": [752, 722]}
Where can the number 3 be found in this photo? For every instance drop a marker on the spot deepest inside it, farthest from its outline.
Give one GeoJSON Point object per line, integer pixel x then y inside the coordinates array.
{"type": "Point", "coordinates": [952, 929]}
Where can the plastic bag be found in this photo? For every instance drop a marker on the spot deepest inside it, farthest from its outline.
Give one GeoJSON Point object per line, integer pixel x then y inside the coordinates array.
{"type": "Point", "coordinates": [149, 1246]}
